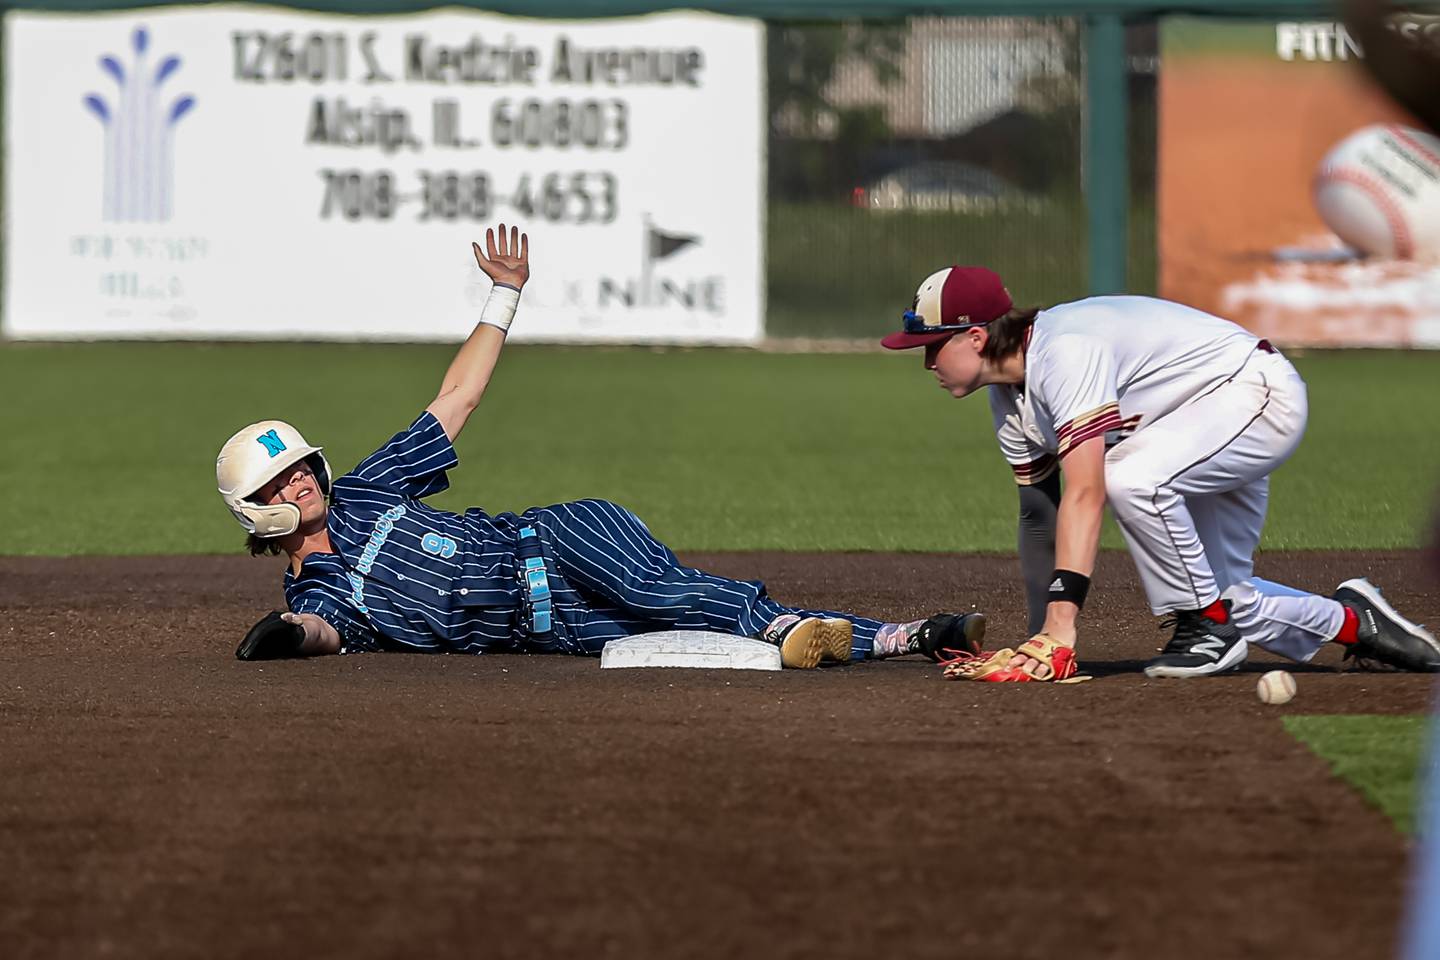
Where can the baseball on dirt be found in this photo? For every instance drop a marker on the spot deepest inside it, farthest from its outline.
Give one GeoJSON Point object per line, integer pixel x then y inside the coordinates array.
{"type": "Point", "coordinates": [1275, 687]}
{"type": "Point", "coordinates": [1379, 190]}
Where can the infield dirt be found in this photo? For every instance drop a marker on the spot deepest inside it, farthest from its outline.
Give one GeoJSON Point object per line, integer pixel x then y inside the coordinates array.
{"type": "Point", "coordinates": [161, 799]}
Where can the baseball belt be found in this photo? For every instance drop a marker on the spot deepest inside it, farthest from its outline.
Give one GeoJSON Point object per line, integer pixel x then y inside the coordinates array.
{"type": "Point", "coordinates": [535, 581]}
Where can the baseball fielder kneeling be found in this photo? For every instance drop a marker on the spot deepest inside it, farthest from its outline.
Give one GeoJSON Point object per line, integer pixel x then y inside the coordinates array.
{"type": "Point", "coordinates": [1174, 417]}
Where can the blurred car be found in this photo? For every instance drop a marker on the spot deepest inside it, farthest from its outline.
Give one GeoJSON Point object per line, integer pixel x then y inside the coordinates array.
{"type": "Point", "coordinates": [943, 187]}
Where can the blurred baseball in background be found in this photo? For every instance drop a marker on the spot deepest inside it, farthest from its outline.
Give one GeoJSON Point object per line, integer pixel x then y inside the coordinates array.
{"type": "Point", "coordinates": [1379, 190]}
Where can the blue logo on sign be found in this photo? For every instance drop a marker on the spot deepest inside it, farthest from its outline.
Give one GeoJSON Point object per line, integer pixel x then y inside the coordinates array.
{"type": "Point", "coordinates": [139, 135]}
{"type": "Point", "coordinates": [272, 443]}
{"type": "Point", "coordinates": [440, 546]}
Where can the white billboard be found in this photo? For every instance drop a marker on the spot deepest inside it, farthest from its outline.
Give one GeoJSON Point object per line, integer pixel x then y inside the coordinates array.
{"type": "Point", "coordinates": [244, 172]}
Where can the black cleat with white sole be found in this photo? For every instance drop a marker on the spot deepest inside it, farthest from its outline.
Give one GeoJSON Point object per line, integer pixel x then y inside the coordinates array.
{"type": "Point", "coordinates": [1386, 639]}
{"type": "Point", "coordinates": [948, 636]}
{"type": "Point", "coordinates": [1199, 647]}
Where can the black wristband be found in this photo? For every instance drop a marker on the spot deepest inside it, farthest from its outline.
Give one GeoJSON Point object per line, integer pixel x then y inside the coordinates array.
{"type": "Point", "coordinates": [1069, 585]}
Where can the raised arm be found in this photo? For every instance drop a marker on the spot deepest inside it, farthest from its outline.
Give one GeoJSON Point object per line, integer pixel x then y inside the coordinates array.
{"type": "Point", "coordinates": [507, 264]}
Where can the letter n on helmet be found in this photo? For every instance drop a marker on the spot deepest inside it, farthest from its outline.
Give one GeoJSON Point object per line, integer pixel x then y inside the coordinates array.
{"type": "Point", "coordinates": [253, 457]}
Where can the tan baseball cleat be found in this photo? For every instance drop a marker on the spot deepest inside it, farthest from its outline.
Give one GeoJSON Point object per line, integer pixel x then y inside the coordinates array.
{"type": "Point", "coordinates": [805, 641]}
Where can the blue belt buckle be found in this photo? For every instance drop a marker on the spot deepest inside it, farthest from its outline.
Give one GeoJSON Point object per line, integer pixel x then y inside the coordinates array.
{"type": "Point", "coordinates": [537, 589]}
{"type": "Point", "coordinates": [537, 584]}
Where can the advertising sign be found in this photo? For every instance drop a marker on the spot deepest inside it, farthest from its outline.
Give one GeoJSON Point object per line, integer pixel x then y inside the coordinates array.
{"type": "Point", "coordinates": [1295, 197]}
{"type": "Point", "coordinates": [243, 172]}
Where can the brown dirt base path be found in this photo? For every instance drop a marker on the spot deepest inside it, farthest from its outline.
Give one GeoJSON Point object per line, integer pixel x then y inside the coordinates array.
{"type": "Point", "coordinates": [160, 799]}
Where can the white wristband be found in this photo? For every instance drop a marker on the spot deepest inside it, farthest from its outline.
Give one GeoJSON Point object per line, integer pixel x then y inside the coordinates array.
{"type": "Point", "coordinates": [500, 308]}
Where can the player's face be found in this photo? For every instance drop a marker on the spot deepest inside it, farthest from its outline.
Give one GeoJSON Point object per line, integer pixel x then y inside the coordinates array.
{"type": "Point", "coordinates": [297, 485]}
{"type": "Point", "coordinates": [956, 362]}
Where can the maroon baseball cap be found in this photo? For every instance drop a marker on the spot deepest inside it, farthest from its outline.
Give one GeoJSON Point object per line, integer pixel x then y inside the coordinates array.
{"type": "Point", "coordinates": [948, 301]}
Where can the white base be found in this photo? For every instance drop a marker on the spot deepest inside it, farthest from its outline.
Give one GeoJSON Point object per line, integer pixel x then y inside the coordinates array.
{"type": "Point", "coordinates": [698, 649]}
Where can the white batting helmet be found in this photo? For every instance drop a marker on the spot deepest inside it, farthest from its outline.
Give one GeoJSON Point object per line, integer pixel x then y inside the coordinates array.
{"type": "Point", "coordinates": [252, 458]}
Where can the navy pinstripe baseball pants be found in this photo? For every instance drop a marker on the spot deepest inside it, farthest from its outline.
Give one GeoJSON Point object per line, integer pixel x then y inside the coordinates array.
{"type": "Point", "coordinates": [611, 578]}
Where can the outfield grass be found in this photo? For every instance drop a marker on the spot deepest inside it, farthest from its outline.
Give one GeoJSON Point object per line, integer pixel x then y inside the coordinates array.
{"type": "Point", "coordinates": [1380, 756]}
{"type": "Point", "coordinates": [109, 448]}
{"type": "Point", "coordinates": [835, 271]}
{"type": "Point", "coordinates": [1182, 36]}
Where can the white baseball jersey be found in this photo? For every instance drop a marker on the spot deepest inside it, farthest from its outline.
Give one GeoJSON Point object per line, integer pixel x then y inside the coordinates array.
{"type": "Point", "coordinates": [1205, 411]}
{"type": "Point", "coordinates": [1109, 365]}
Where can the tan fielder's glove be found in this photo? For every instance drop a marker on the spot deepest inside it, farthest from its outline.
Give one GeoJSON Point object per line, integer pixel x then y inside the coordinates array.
{"type": "Point", "coordinates": [1050, 662]}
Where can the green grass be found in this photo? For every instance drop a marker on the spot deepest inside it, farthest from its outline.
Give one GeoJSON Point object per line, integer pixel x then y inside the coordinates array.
{"type": "Point", "coordinates": [109, 448]}
{"type": "Point", "coordinates": [838, 271]}
{"type": "Point", "coordinates": [1380, 756]}
{"type": "Point", "coordinates": [1210, 36]}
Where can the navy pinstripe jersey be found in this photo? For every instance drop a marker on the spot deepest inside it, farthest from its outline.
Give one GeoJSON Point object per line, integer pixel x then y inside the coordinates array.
{"type": "Point", "coordinates": [405, 576]}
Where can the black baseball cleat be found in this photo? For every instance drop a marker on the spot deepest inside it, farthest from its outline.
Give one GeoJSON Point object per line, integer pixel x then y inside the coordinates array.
{"type": "Point", "coordinates": [948, 636]}
{"type": "Point", "coordinates": [1386, 639]}
{"type": "Point", "coordinates": [1198, 647]}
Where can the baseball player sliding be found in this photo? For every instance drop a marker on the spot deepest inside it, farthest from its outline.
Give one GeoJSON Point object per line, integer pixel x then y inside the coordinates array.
{"type": "Point", "coordinates": [372, 567]}
{"type": "Point", "coordinates": [1174, 417]}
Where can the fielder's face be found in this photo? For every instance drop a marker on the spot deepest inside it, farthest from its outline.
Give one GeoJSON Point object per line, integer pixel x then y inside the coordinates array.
{"type": "Point", "coordinates": [299, 486]}
{"type": "Point", "coordinates": [956, 362]}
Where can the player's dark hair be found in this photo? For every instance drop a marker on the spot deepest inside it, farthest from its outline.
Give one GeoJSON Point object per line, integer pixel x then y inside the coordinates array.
{"type": "Point", "coordinates": [262, 546]}
{"type": "Point", "coordinates": [1007, 334]}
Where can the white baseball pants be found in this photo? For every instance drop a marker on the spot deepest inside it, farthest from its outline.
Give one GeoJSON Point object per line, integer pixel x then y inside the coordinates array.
{"type": "Point", "coordinates": [1189, 492]}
